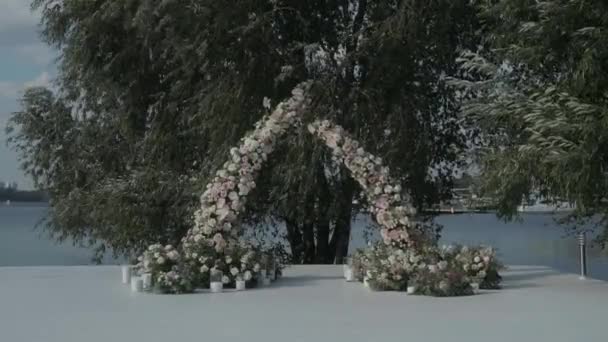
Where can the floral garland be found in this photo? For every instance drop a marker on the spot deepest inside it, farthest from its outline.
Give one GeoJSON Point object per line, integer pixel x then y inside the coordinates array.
{"type": "Point", "coordinates": [388, 205]}
{"type": "Point", "coordinates": [212, 244]}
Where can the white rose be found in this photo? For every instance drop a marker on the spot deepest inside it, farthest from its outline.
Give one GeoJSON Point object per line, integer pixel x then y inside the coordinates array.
{"type": "Point", "coordinates": [247, 276]}
{"type": "Point", "coordinates": [466, 267]}
{"type": "Point", "coordinates": [256, 267]}
{"type": "Point", "coordinates": [486, 259]}
{"type": "Point", "coordinates": [173, 255]}
{"type": "Point", "coordinates": [433, 268]}
{"type": "Point", "coordinates": [228, 259]}
{"type": "Point", "coordinates": [234, 271]}
{"type": "Point", "coordinates": [160, 260]}
{"type": "Point", "coordinates": [482, 274]}
{"type": "Point", "coordinates": [233, 196]}
{"type": "Point", "coordinates": [204, 269]}
{"type": "Point", "coordinates": [476, 259]}
{"type": "Point", "coordinates": [206, 230]}
{"type": "Point", "coordinates": [225, 280]}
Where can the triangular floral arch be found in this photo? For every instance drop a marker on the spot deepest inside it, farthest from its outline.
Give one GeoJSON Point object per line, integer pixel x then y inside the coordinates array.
{"type": "Point", "coordinates": [216, 221]}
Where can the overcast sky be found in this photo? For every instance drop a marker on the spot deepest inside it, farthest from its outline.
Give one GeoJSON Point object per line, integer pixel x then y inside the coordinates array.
{"type": "Point", "coordinates": [24, 61]}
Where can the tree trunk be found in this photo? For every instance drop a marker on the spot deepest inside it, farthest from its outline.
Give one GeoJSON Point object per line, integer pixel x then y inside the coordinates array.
{"type": "Point", "coordinates": [324, 254]}
{"type": "Point", "coordinates": [295, 240]}
{"type": "Point", "coordinates": [308, 226]}
{"type": "Point", "coordinates": [341, 236]}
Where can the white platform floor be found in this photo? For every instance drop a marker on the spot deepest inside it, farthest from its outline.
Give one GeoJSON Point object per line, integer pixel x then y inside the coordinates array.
{"type": "Point", "coordinates": [311, 303]}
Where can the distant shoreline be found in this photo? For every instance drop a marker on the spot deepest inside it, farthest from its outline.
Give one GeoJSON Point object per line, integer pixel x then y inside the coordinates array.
{"type": "Point", "coordinates": [11, 195]}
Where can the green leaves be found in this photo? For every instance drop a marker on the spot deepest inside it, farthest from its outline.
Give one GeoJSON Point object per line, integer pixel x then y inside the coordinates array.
{"type": "Point", "coordinates": [543, 112]}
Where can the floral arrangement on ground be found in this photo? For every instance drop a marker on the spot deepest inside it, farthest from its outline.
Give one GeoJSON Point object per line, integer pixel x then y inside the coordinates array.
{"type": "Point", "coordinates": [434, 271]}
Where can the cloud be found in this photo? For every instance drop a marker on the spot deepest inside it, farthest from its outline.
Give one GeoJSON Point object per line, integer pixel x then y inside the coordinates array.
{"type": "Point", "coordinates": [39, 53]}
{"type": "Point", "coordinates": [12, 90]}
{"type": "Point", "coordinates": [16, 14]}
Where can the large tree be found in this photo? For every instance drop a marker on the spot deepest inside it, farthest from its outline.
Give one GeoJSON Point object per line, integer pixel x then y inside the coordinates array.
{"type": "Point", "coordinates": [540, 96]}
{"type": "Point", "coordinates": [153, 93]}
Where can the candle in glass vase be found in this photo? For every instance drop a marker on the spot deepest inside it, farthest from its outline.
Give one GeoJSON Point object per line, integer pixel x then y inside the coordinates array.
{"type": "Point", "coordinates": [137, 284]}
{"type": "Point", "coordinates": [215, 281]}
{"type": "Point", "coordinates": [126, 274]}
{"type": "Point", "coordinates": [411, 290]}
{"type": "Point", "coordinates": [147, 280]}
{"type": "Point", "coordinates": [240, 283]}
{"type": "Point", "coordinates": [349, 275]}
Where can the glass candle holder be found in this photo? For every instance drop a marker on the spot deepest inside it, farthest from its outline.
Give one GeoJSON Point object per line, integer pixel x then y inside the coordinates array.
{"type": "Point", "coordinates": [349, 275]}
{"type": "Point", "coordinates": [215, 280]}
{"type": "Point", "coordinates": [137, 284]}
{"type": "Point", "coordinates": [240, 283]}
{"type": "Point", "coordinates": [411, 289]}
{"type": "Point", "coordinates": [147, 281]}
{"type": "Point", "coordinates": [126, 274]}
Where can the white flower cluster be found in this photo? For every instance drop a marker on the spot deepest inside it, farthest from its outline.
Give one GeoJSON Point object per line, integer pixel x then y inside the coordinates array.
{"type": "Point", "coordinates": [475, 261]}
{"type": "Point", "coordinates": [216, 223]}
{"type": "Point", "coordinates": [225, 196]}
{"type": "Point", "coordinates": [389, 206]}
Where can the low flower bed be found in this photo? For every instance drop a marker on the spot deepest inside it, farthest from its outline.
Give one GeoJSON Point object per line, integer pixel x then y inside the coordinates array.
{"type": "Point", "coordinates": [433, 271]}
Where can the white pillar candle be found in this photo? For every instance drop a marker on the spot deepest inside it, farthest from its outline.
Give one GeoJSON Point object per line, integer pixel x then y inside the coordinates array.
{"type": "Point", "coordinates": [147, 280]}
{"type": "Point", "coordinates": [216, 286]}
{"type": "Point", "coordinates": [240, 285]}
{"type": "Point", "coordinates": [137, 284]}
{"type": "Point", "coordinates": [126, 274]}
{"type": "Point", "coordinates": [411, 290]}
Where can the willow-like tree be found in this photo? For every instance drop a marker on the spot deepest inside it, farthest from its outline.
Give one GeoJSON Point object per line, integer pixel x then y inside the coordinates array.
{"type": "Point", "coordinates": [151, 94]}
{"type": "Point", "coordinates": [540, 97]}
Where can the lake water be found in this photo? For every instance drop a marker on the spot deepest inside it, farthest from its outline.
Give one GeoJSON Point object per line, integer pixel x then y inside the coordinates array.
{"type": "Point", "coordinates": [537, 240]}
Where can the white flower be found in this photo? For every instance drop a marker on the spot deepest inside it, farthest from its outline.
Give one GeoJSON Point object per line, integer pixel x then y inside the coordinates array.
{"type": "Point", "coordinates": [466, 267]}
{"type": "Point", "coordinates": [482, 274]}
{"type": "Point", "coordinates": [247, 276]}
{"type": "Point", "coordinates": [256, 267]}
{"type": "Point", "coordinates": [266, 103]}
{"type": "Point", "coordinates": [204, 269]}
{"type": "Point", "coordinates": [443, 285]}
{"type": "Point", "coordinates": [486, 259]}
{"type": "Point", "coordinates": [442, 265]}
{"type": "Point", "coordinates": [225, 279]}
{"type": "Point", "coordinates": [477, 259]}
{"type": "Point", "coordinates": [173, 255]}
{"type": "Point", "coordinates": [433, 268]}
{"type": "Point", "coordinates": [160, 260]}
{"type": "Point", "coordinates": [234, 271]}
{"type": "Point", "coordinates": [228, 259]}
